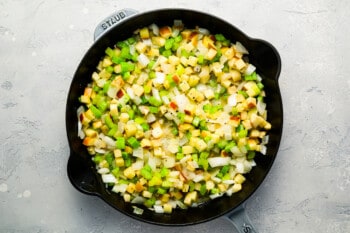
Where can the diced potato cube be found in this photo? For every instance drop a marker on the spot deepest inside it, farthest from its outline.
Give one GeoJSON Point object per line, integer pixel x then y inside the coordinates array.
{"type": "Point", "coordinates": [144, 33]}
{"type": "Point", "coordinates": [147, 194]}
{"type": "Point", "coordinates": [196, 133]}
{"type": "Point", "coordinates": [140, 47]}
{"type": "Point", "coordinates": [119, 162]}
{"type": "Point", "coordinates": [209, 184]}
{"type": "Point", "coordinates": [211, 54]}
{"type": "Point", "coordinates": [165, 31]}
{"type": "Point", "coordinates": [174, 60]}
{"type": "Point", "coordinates": [130, 129]}
{"type": "Point", "coordinates": [204, 75]}
{"type": "Point", "coordinates": [117, 153]}
{"type": "Point", "coordinates": [106, 62]}
{"type": "Point", "coordinates": [131, 188]}
{"type": "Point", "coordinates": [201, 145]}
{"type": "Point", "coordinates": [127, 197]}
{"type": "Point", "coordinates": [145, 143]}
{"type": "Point", "coordinates": [209, 94]}
{"type": "Point", "coordinates": [90, 133]}
{"type": "Point", "coordinates": [188, 119]}
{"type": "Point", "coordinates": [89, 115]}
{"type": "Point", "coordinates": [222, 187]}
{"type": "Point", "coordinates": [236, 187]}
{"type": "Point", "coordinates": [157, 132]}
{"type": "Point", "coordinates": [193, 80]}
{"type": "Point", "coordinates": [129, 173]}
{"type": "Point", "coordinates": [138, 90]}
{"type": "Point", "coordinates": [124, 117]}
{"type": "Point", "coordinates": [187, 149]}
{"type": "Point", "coordinates": [158, 152]}
{"type": "Point", "coordinates": [192, 61]}
{"type": "Point", "coordinates": [159, 41]}
{"type": "Point", "coordinates": [167, 208]}
{"type": "Point", "coordinates": [239, 179]}
{"type": "Point", "coordinates": [89, 141]}
{"type": "Point", "coordinates": [240, 64]}
{"type": "Point", "coordinates": [184, 86]}
{"type": "Point", "coordinates": [97, 124]}
{"type": "Point", "coordinates": [191, 197]}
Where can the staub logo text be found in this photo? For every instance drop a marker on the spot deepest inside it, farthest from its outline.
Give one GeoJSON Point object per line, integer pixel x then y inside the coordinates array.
{"type": "Point", "coordinates": [113, 19]}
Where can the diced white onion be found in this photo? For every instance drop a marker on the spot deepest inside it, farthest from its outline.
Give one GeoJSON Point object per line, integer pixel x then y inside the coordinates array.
{"type": "Point", "coordinates": [101, 151]}
{"type": "Point", "coordinates": [165, 99]}
{"type": "Point", "coordinates": [130, 92]}
{"type": "Point", "coordinates": [214, 196]}
{"type": "Point", "coordinates": [138, 200]}
{"type": "Point", "coordinates": [151, 118]}
{"type": "Point", "coordinates": [203, 31]}
{"type": "Point", "coordinates": [120, 188]}
{"type": "Point", "coordinates": [152, 163]}
{"type": "Point", "coordinates": [263, 149]}
{"type": "Point", "coordinates": [103, 170]}
{"type": "Point", "coordinates": [261, 106]}
{"type": "Point", "coordinates": [239, 167]}
{"type": "Point", "coordinates": [155, 29]}
{"type": "Point", "coordinates": [240, 48]}
{"type": "Point", "coordinates": [138, 152]}
{"type": "Point", "coordinates": [198, 178]}
{"type": "Point", "coordinates": [108, 178]}
{"type": "Point", "coordinates": [143, 59]}
{"type": "Point", "coordinates": [112, 91]}
{"type": "Point", "coordinates": [155, 93]}
{"type": "Point", "coordinates": [137, 210]}
{"type": "Point", "coordinates": [181, 101]}
{"type": "Point", "coordinates": [218, 161]}
{"type": "Point", "coordinates": [232, 100]}
{"type": "Point", "coordinates": [158, 209]}
{"type": "Point", "coordinates": [265, 140]}
{"type": "Point", "coordinates": [250, 69]}
{"type": "Point", "coordinates": [228, 181]}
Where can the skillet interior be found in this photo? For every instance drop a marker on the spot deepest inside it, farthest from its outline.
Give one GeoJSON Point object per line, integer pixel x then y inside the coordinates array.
{"type": "Point", "coordinates": [81, 170]}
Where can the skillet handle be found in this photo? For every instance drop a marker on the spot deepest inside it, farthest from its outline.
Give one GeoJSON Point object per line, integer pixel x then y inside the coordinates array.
{"type": "Point", "coordinates": [240, 220]}
{"type": "Point", "coordinates": [111, 21]}
{"type": "Point", "coordinates": [81, 175]}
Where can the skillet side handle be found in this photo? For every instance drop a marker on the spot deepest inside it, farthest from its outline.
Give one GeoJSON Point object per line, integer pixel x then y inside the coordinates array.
{"type": "Point", "coordinates": [240, 220]}
{"type": "Point", "coordinates": [81, 175]}
{"type": "Point", "coordinates": [111, 21]}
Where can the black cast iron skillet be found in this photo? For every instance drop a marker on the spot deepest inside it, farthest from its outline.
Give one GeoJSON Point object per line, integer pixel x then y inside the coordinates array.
{"type": "Point", "coordinates": [121, 25]}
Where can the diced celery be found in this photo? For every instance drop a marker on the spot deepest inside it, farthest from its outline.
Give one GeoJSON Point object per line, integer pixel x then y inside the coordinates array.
{"type": "Point", "coordinates": [145, 126]}
{"type": "Point", "coordinates": [133, 142]}
{"type": "Point", "coordinates": [203, 189]}
{"type": "Point", "coordinates": [229, 146]}
{"type": "Point", "coordinates": [110, 52]}
{"type": "Point", "coordinates": [97, 113]}
{"type": "Point", "coordinates": [220, 37]}
{"type": "Point", "coordinates": [120, 143]}
{"type": "Point", "coordinates": [196, 121]}
{"type": "Point", "coordinates": [155, 102]}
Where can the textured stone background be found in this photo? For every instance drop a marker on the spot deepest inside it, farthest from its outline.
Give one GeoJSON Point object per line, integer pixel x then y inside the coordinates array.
{"type": "Point", "coordinates": [41, 44]}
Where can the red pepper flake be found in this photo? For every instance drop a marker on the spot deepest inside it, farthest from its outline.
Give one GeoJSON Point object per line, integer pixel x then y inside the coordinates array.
{"type": "Point", "coordinates": [120, 94]}
{"type": "Point", "coordinates": [173, 105]}
{"type": "Point", "coordinates": [176, 78]}
{"type": "Point", "coordinates": [187, 112]}
{"type": "Point", "coordinates": [81, 117]}
{"type": "Point", "coordinates": [235, 118]}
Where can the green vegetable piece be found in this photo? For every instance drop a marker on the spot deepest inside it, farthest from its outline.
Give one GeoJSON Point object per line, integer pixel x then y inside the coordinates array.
{"type": "Point", "coordinates": [140, 120]}
{"type": "Point", "coordinates": [196, 121]}
{"type": "Point", "coordinates": [178, 38]}
{"type": "Point", "coordinates": [125, 52]}
{"type": "Point", "coordinates": [251, 77]}
{"type": "Point", "coordinates": [164, 172]}
{"type": "Point", "coordinates": [120, 143]}
{"type": "Point", "coordinates": [133, 142]}
{"type": "Point", "coordinates": [181, 116]}
{"type": "Point", "coordinates": [175, 131]}
{"type": "Point", "coordinates": [112, 131]}
{"type": "Point", "coordinates": [110, 52]}
{"type": "Point", "coordinates": [260, 85]}
{"type": "Point", "coordinates": [167, 184]}
{"type": "Point", "coordinates": [225, 169]}
{"type": "Point", "coordinates": [108, 121]}
{"type": "Point", "coordinates": [229, 146]}
{"type": "Point", "coordinates": [155, 102]}
{"type": "Point", "coordinates": [243, 133]}
{"type": "Point", "coordinates": [97, 113]}
{"type": "Point", "coordinates": [203, 189]}
{"type": "Point", "coordinates": [109, 69]}
{"type": "Point", "coordinates": [122, 44]}
{"type": "Point", "coordinates": [185, 53]}
{"type": "Point", "coordinates": [179, 156]}
{"type": "Point", "coordinates": [251, 154]}
{"type": "Point", "coordinates": [214, 191]}
{"type": "Point", "coordinates": [234, 111]}
{"type": "Point", "coordinates": [131, 40]}
{"type": "Point", "coordinates": [203, 125]}
{"type": "Point", "coordinates": [195, 157]}
{"type": "Point", "coordinates": [131, 114]}
{"type": "Point", "coordinates": [115, 171]}
{"type": "Point", "coordinates": [152, 74]}
{"type": "Point", "coordinates": [150, 202]}
{"type": "Point", "coordinates": [167, 53]}
{"type": "Point", "coordinates": [200, 60]}
{"type": "Point", "coordinates": [97, 159]}
{"type": "Point", "coordinates": [128, 162]}
{"type": "Point", "coordinates": [145, 126]}
{"type": "Point", "coordinates": [117, 60]}
{"type": "Point", "coordinates": [169, 43]}
{"type": "Point", "coordinates": [220, 37]}
{"type": "Point", "coordinates": [203, 162]}
{"type": "Point", "coordinates": [222, 144]}
{"type": "Point", "coordinates": [153, 109]}
{"type": "Point", "coordinates": [146, 172]}
{"type": "Point", "coordinates": [243, 93]}
{"type": "Point", "coordinates": [151, 64]}
{"type": "Point", "coordinates": [126, 75]}
{"type": "Point", "coordinates": [109, 157]}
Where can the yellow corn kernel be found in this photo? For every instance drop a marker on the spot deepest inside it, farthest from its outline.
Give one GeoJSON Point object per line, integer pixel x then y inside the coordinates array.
{"type": "Point", "coordinates": [146, 143]}
{"type": "Point", "coordinates": [130, 130]}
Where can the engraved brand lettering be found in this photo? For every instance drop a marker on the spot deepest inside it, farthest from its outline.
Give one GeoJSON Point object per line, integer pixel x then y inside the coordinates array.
{"type": "Point", "coordinates": [246, 228]}
{"type": "Point", "coordinates": [112, 20]}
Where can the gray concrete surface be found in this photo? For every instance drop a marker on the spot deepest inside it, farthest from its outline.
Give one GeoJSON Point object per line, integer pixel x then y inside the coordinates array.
{"type": "Point", "coordinates": [41, 44]}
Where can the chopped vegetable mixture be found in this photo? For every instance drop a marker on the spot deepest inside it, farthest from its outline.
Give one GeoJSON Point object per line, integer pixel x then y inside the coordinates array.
{"type": "Point", "coordinates": [174, 117]}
